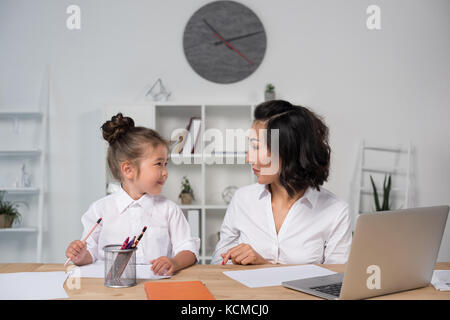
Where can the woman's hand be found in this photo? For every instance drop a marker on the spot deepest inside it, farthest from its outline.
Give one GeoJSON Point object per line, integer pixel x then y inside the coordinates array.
{"type": "Point", "coordinates": [163, 264]}
{"type": "Point", "coordinates": [243, 254]}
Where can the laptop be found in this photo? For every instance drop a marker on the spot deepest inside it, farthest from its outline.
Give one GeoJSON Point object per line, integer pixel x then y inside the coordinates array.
{"type": "Point", "coordinates": [391, 251]}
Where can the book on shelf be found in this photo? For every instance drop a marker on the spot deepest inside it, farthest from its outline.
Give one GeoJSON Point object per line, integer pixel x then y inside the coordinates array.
{"type": "Point", "coordinates": [192, 138]}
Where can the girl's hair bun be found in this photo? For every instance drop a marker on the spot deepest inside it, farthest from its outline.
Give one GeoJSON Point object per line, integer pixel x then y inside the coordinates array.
{"type": "Point", "coordinates": [116, 128]}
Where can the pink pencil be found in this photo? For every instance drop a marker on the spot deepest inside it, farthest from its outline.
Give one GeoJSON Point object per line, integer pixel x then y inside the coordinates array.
{"type": "Point", "coordinates": [87, 236]}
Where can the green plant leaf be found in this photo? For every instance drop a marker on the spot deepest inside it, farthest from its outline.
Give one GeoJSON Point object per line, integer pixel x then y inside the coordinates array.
{"type": "Point", "coordinates": [383, 207]}
{"type": "Point", "coordinates": [388, 191]}
{"type": "Point", "coordinates": [270, 87]}
{"type": "Point", "coordinates": [9, 208]}
{"type": "Point", "coordinates": [186, 187]}
{"type": "Point", "coordinates": [375, 193]}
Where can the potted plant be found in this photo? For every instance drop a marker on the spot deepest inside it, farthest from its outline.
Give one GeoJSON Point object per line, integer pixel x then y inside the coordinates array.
{"type": "Point", "coordinates": [386, 190]}
{"type": "Point", "coordinates": [8, 212]}
{"type": "Point", "coordinates": [269, 94]}
{"type": "Point", "coordinates": [187, 194]}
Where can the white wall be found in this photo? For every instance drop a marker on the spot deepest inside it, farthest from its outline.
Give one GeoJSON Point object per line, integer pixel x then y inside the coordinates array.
{"type": "Point", "coordinates": [387, 86]}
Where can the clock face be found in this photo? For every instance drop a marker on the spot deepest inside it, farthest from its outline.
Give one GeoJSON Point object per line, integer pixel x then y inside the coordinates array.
{"type": "Point", "coordinates": [224, 42]}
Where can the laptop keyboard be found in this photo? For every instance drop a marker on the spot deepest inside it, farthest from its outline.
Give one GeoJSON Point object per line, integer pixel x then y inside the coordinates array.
{"type": "Point", "coordinates": [333, 289]}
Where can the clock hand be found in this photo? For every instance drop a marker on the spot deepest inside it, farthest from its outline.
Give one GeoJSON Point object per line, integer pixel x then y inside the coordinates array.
{"type": "Point", "coordinates": [240, 37]}
{"type": "Point", "coordinates": [226, 43]}
{"type": "Point", "coordinates": [230, 39]}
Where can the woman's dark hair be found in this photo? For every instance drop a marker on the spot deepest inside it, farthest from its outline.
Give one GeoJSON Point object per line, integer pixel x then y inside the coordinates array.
{"type": "Point", "coordinates": [127, 142]}
{"type": "Point", "coordinates": [303, 144]}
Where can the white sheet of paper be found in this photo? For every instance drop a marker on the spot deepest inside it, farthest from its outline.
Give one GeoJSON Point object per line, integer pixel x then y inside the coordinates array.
{"type": "Point", "coordinates": [32, 285]}
{"type": "Point", "coordinates": [97, 270]}
{"type": "Point", "coordinates": [266, 277]}
{"type": "Point", "coordinates": [441, 280]}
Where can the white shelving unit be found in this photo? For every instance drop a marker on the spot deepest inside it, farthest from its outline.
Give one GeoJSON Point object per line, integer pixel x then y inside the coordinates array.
{"type": "Point", "coordinates": [24, 141]}
{"type": "Point", "coordinates": [208, 177]}
{"type": "Point", "coordinates": [379, 161]}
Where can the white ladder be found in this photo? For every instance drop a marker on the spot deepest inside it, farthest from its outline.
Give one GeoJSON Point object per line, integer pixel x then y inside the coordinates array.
{"type": "Point", "coordinates": [393, 170]}
{"type": "Point", "coordinates": [42, 165]}
{"type": "Point", "coordinates": [17, 114]}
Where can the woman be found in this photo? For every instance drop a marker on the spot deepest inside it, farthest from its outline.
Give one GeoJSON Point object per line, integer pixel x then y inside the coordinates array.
{"type": "Point", "coordinates": [286, 217]}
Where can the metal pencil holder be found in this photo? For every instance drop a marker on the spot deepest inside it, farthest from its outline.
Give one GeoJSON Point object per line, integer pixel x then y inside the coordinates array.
{"type": "Point", "coordinates": [120, 266]}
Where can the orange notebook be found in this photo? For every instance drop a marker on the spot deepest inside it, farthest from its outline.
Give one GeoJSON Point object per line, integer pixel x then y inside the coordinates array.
{"type": "Point", "coordinates": [182, 290]}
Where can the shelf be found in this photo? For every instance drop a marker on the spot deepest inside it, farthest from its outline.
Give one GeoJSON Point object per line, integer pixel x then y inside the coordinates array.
{"type": "Point", "coordinates": [387, 149]}
{"type": "Point", "coordinates": [20, 113]}
{"type": "Point", "coordinates": [238, 155]}
{"type": "Point", "coordinates": [20, 190]}
{"type": "Point", "coordinates": [177, 105]}
{"type": "Point", "coordinates": [23, 153]}
{"type": "Point", "coordinates": [18, 230]}
{"type": "Point", "coordinates": [217, 207]}
{"type": "Point", "coordinates": [216, 158]}
{"type": "Point", "coordinates": [384, 170]}
{"type": "Point", "coordinates": [370, 191]}
{"type": "Point", "coordinates": [219, 104]}
{"type": "Point", "coordinates": [180, 158]}
{"type": "Point", "coordinates": [190, 206]}
{"type": "Point", "coordinates": [188, 156]}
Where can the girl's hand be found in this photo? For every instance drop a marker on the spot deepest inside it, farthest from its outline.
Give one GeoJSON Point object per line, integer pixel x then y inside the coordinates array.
{"type": "Point", "coordinates": [243, 254]}
{"type": "Point", "coordinates": [163, 266]}
{"type": "Point", "coordinates": [77, 251]}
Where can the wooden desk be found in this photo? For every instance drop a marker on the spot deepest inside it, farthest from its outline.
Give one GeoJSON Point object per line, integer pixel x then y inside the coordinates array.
{"type": "Point", "coordinates": [218, 284]}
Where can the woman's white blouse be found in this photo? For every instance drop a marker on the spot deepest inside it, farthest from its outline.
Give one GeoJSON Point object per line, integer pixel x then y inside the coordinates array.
{"type": "Point", "coordinates": [167, 233]}
{"type": "Point", "coordinates": [316, 230]}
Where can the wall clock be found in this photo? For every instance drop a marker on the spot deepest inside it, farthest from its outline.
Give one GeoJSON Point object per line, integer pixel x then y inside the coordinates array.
{"type": "Point", "coordinates": [224, 42]}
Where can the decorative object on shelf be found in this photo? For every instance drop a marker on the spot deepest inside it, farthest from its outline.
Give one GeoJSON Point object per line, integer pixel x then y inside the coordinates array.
{"type": "Point", "coordinates": [224, 42]}
{"type": "Point", "coordinates": [176, 144]}
{"type": "Point", "coordinates": [227, 193]}
{"type": "Point", "coordinates": [8, 212]}
{"type": "Point", "coordinates": [187, 140]}
{"type": "Point", "coordinates": [269, 94]}
{"type": "Point", "coordinates": [386, 190]}
{"type": "Point", "coordinates": [187, 194]}
{"type": "Point", "coordinates": [25, 179]}
{"type": "Point", "coordinates": [158, 91]}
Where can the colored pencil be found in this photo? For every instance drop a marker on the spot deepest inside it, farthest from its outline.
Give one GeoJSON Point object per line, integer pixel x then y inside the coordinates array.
{"type": "Point", "coordinates": [125, 243]}
{"type": "Point", "coordinates": [130, 243]}
{"type": "Point", "coordinates": [139, 238]}
{"type": "Point", "coordinates": [86, 237]}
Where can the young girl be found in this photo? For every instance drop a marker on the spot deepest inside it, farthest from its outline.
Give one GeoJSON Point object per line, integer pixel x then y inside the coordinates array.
{"type": "Point", "coordinates": [137, 157]}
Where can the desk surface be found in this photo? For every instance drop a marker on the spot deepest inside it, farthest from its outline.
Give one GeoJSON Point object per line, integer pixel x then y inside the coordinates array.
{"type": "Point", "coordinates": [218, 284]}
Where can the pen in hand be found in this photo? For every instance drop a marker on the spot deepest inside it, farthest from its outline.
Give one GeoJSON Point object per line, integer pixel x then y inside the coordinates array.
{"type": "Point", "coordinates": [86, 237]}
{"type": "Point", "coordinates": [225, 258]}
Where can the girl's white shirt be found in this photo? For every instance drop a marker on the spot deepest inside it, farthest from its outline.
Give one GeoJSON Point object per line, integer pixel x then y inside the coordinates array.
{"type": "Point", "coordinates": [316, 230]}
{"type": "Point", "coordinates": [168, 231]}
